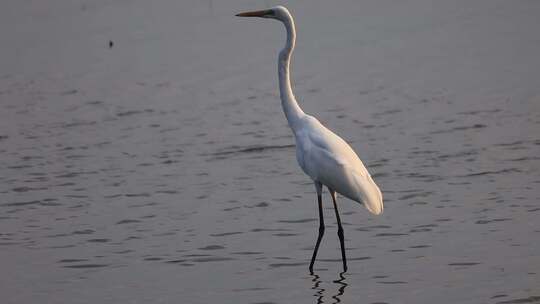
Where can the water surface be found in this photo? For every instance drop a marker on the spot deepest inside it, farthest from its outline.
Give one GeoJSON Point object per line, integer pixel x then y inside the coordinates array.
{"type": "Point", "coordinates": [161, 170]}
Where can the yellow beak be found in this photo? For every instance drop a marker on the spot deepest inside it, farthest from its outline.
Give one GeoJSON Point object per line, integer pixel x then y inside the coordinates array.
{"type": "Point", "coordinates": [253, 13]}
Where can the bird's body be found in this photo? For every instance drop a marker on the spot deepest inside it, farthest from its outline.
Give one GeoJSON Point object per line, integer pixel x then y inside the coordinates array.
{"type": "Point", "coordinates": [322, 155]}
{"type": "Point", "coordinates": [328, 159]}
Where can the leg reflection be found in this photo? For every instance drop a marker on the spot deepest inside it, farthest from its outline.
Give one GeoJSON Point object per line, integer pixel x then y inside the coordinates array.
{"type": "Point", "coordinates": [316, 286]}
{"type": "Point", "coordinates": [319, 294]}
{"type": "Point", "coordinates": [341, 290]}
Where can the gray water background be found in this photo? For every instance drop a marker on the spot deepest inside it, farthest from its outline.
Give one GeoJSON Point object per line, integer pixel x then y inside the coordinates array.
{"type": "Point", "coordinates": [161, 170]}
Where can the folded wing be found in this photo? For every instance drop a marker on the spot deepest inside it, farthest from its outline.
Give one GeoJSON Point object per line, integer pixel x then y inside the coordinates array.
{"type": "Point", "coordinates": [330, 160]}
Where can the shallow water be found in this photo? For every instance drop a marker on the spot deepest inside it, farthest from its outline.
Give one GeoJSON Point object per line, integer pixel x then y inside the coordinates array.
{"type": "Point", "coordinates": [162, 170]}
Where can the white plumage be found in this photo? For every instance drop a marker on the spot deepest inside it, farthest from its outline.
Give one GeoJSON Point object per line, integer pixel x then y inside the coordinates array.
{"type": "Point", "coordinates": [328, 159]}
{"type": "Point", "coordinates": [322, 155]}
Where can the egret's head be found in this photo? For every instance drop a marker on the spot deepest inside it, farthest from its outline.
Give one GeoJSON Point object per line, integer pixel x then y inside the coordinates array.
{"type": "Point", "coordinates": [278, 12]}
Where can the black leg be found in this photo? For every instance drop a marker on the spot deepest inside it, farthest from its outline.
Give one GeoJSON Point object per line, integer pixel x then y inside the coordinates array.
{"type": "Point", "coordinates": [340, 231]}
{"type": "Point", "coordinates": [321, 232]}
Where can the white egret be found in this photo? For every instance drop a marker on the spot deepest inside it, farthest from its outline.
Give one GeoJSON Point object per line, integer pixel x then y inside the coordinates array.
{"type": "Point", "coordinates": [321, 154]}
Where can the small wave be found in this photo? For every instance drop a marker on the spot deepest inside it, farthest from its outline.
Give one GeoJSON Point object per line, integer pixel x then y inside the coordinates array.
{"type": "Point", "coordinates": [479, 112]}
{"type": "Point", "coordinates": [509, 170]}
{"type": "Point", "coordinates": [481, 222]}
{"type": "Point", "coordinates": [279, 265]}
{"type": "Point", "coordinates": [247, 253]}
{"type": "Point", "coordinates": [133, 112]}
{"type": "Point", "coordinates": [212, 247]}
{"type": "Point", "coordinates": [463, 264]}
{"type": "Point", "coordinates": [211, 259]}
{"type": "Point", "coordinates": [19, 204]}
{"type": "Point", "coordinates": [72, 260]}
{"type": "Point", "coordinates": [86, 266]}
{"type": "Point", "coordinates": [390, 234]}
{"type": "Point", "coordinates": [226, 233]}
{"type": "Point", "coordinates": [461, 128]}
{"type": "Point", "coordinates": [254, 149]}
{"type": "Point", "coordinates": [127, 221]}
{"type": "Point", "coordinates": [298, 221]}
{"type": "Point", "coordinates": [531, 299]}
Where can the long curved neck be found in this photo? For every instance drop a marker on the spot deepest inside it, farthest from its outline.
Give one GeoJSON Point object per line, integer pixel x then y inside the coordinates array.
{"type": "Point", "coordinates": [292, 110]}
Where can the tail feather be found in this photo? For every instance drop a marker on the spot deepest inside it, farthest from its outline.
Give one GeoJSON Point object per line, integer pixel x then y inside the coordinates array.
{"type": "Point", "coordinates": [369, 194]}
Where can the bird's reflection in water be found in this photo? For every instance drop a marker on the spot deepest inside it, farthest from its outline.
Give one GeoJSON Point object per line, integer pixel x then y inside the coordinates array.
{"type": "Point", "coordinates": [319, 294]}
{"type": "Point", "coordinates": [342, 285]}
{"type": "Point", "coordinates": [316, 286]}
